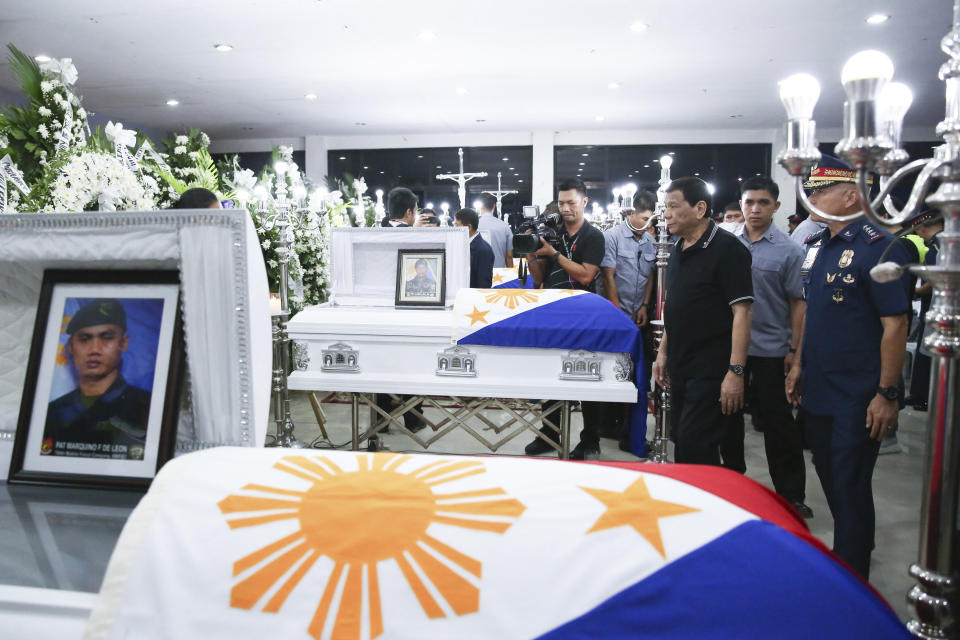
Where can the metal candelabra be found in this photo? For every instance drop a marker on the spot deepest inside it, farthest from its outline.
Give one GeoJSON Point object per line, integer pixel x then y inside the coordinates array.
{"type": "Point", "coordinates": [661, 394]}
{"type": "Point", "coordinates": [284, 217]}
{"type": "Point", "coordinates": [873, 117]}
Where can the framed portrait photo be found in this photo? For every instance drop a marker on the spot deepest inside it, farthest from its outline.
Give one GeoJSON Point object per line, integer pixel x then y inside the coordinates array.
{"type": "Point", "coordinates": [100, 398]}
{"type": "Point", "coordinates": [421, 278]}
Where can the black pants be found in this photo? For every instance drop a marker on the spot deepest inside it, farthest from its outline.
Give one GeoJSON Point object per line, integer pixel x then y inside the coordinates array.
{"type": "Point", "coordinates": [698, 423]}
{"type": "Point", "coordinates": [410, 421]}
{"type": "Point", "coordinates": [782, 436]}
{"type": "Point", "coordinates": [844, 456]}
{"type": "Point", "coordinates": [731, 449]}
{"type": "Point", "coordinates": [592, 412]}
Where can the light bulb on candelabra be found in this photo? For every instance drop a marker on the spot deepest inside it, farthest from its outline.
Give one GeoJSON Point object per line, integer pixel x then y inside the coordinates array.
{"type": "Point", "coordinates": [280, 167]}
{"type": "Point", "coordinates": [379, 193]}
{"type": "Point", "coordinates": [893, 102]}
{"type": "Point", "coordinates": [243, 195]}
{"type": "Point", "coordinates": [261, 192]}
{"type": "Point", "coordinates": [616, 192]}
{"type": "Point", "coordinates": [865, 73]}
{"type": "Point", "coordinates": [299, 192]}
{"type": "Point", "coordinates": [476, 204]}
{"type": "Point", "coordinates": [445, 206]}
{"type": "Point", "coordinates": [429, 205]}
{"type": "Point", "coordinates": [799, 94]}
{"type": "Point", "coordinates": [666, 161]}
{"type": "Point", "coordinates": [711, 189]}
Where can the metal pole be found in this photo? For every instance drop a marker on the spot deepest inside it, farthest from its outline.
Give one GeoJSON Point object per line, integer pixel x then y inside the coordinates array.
{"type": "Point", "coordinates": [565, 430]}
{"type": "Point", "coordinates": [661, 395]}
{"type": "Point", "coordinates": [355, 420]}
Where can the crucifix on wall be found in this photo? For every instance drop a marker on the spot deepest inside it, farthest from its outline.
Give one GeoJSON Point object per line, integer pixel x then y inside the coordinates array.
{"type": "Point", "coordinates": [461, 179]}
{"type": "Point", "coordinates": [499, 193]}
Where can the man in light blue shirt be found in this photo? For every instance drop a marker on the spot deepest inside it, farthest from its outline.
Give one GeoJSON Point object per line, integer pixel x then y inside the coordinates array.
{"type": "Point", "coordinates": [496, 232]}
{"type": "Point", "coordinates": [775, 333]}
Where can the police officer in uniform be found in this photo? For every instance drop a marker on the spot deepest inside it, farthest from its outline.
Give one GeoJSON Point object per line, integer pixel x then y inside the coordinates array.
{"type": "Point", "coordinates": [104, 416]}
{"type": "Point", "coordinates": [852, 352]}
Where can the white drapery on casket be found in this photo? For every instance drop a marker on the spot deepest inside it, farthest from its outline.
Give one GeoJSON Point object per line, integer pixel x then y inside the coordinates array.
{"type": "Point", "coordinates": [224, 303]}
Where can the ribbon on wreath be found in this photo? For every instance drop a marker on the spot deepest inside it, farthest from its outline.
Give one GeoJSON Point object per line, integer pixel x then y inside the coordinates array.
{"type": "Point", "coordinates": [63, 137]}
{"type": "Point", "coordinates": [64, 68]}
{"type": "Point", "coordinates": [146, 149]}
{"type": "Point", "coordinates": [122, 139]}
{"type": "Point", "coordinates": [10, 173]}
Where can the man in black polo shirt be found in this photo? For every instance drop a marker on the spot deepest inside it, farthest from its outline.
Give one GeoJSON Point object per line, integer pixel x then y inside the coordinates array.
{"type": "Point", "coordinates": [575, 264]}
{"type": "Point", "coordinates": [707, 318]}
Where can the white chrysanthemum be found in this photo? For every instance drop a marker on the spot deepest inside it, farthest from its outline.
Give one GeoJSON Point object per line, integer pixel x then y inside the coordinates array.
{"type": "Point", "coordinates": [88, 176]}
{"type": "Point", "coordinates": [194, 155]}
{"type": "Point", "coordinates": [43, 111]}
{"type": "Point", "coordinates": [265, 244]}
{"type": "Point", "coordinates": [42, 130]}
{"type": "Point", "coordinates": [204, 139]}
{"type": "Point", "coordinates": [46, 86]}
{"type": "Point", "coordinates": [182, 140]}
{"type": "Point", "coordinates": [81, 113]}
{"type": "Point", "coordinates": [180, 149]}
{"type": "Point", "coordinates": [4, 141]}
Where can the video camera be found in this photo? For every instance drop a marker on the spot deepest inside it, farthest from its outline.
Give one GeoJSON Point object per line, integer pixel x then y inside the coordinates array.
{"type": "Point", "coordinates": [534, 227]}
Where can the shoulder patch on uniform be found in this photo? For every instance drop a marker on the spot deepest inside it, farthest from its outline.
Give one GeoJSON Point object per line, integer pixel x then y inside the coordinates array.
{"type": "Point", "coordinates": [871, 233]}
{"type": "Point", "coordinates": [813, 236]}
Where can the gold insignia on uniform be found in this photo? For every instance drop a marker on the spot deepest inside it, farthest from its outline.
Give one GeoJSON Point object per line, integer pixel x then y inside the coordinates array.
{"type": "Point", "coordinates": [846, 258]}
{"type": "Point", "coordinates": [838, 295]}
{"type": "Point", "coordinates": [831, 277]}
{"type": "Point", "coordinates": [848, 278]}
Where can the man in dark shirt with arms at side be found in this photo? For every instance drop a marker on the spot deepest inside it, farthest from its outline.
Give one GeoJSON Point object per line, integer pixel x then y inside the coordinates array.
{"type": "Point", "coordinates": [707, 320]}
{"type": "Point", "coordinates": [574, 265]}
{"type": "Point", "coordinates": [104, 416]}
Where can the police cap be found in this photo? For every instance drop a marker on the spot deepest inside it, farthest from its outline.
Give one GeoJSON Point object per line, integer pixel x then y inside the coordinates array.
{"type": "Point", "coordinates": [100, 311]}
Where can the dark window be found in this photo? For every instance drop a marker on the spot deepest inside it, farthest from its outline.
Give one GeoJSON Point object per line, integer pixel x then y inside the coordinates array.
{"type": "Point", "coordinates": [417, 169]}
{"type": "Point", "coordinates": [608, 166]}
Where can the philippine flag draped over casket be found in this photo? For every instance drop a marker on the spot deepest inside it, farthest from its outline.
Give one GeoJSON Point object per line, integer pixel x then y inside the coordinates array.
{"type": "Point", "coordinates": [553, 319]}
{"type": "Point", "coordinates": [235, 543]}
{"type": "Point", "coordinates": [508, 278]}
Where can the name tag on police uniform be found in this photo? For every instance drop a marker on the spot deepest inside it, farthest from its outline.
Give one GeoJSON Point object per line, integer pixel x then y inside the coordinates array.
{"type": "Point", "coordinates": [809, 259]}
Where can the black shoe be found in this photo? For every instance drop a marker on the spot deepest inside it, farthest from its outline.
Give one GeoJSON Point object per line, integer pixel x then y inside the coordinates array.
{"type": "Point", "coordinates": [625, 445]}
{"type": "Point", "coordinates": [538, 447]}
{"type": "Point", "coordinates": [802, 509]}
{"type": "Point", "coordinates": [414, 427]}
{"type": "Point", "coordinates": [581, 452]}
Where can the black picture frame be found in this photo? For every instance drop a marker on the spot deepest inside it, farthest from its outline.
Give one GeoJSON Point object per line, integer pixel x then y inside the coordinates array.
{"type": "Point", "coordinates": [411, 295]}
{"type": "Point", "coordinates": [151, 311]}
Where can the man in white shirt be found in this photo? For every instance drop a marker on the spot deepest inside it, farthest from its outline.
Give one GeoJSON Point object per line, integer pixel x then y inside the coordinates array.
{"type": "Point", "coordinates": [496, 232]}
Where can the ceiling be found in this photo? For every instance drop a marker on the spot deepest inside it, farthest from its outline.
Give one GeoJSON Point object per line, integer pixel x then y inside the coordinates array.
{"type": "Point", "coordinates": [525, 64]}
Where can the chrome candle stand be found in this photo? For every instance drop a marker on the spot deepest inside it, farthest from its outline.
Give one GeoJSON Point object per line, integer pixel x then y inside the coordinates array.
{"type": "Point", "coordinates": [873, 117]}
{"type": "Point", "coordinates": [284, 216]}
{"type": "Point", "coordinates": [661, 394]}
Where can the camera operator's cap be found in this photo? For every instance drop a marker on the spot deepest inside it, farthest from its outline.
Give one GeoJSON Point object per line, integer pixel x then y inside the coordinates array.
{"type": "Point", "coordinates": [830, 171]}
{"type": "Point", "coordinates": [100, 311]}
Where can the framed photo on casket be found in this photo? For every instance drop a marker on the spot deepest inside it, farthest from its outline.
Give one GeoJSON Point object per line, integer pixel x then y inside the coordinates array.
{"type": "Point", "coordinates": [102, 389]}
{"type": "Point", "coordinates": [421, 278]}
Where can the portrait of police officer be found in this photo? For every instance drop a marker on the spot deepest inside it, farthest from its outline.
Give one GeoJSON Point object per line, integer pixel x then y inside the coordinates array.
{"type": "Point", "coordinates": [851, 357]}
{"type": "Point", "coordinates": [573, 264]}
{"type": "Point", "coordinates": [104, 409]}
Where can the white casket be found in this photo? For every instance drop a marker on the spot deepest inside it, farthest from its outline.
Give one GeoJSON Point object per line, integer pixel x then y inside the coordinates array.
{"type": "Point", "coordinates": [359, 342]}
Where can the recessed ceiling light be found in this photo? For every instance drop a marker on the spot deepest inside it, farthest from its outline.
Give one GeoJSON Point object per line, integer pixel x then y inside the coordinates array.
{"type": "Point", "coordinates": [520, 180]}
{"type": "Point", "coordinates": [439, 166]}
{"type": "Point", "coordinates": [613, 85]}
{"type": "Point", "coordinates": [366, 167]}
{"type": "Point", "coordinates": [637, 27]}
{"type": "Point", "coordinates": [673, 153]}
{"type": "Point", "coordinates": [311, 96]}
{"type": "Point", "coordinates": [582, 163]}
{"type": "Point", "coordinates": [426, 35]}
{"type": "Point", "coordinates": [506, 159]}
{"type": "Point", "coordinates": [585, 154]}
{"type": "Point", "coordinates": [599, 118]}
{"type": "Point", "coordinates": [42, 58]}
{"type": "Point", "coordinates": [247, 128]}
{"type": "Point", "coordinates": [511, 168]}
{"type": "Point", "coordinates": [646, 166]}
{"type": "Point", "coordinates": [878, 18]}
{"type": "Point", "coordinates": [172, 103]}
{"type": "Point", "coordinates": [223, 48]}
{"type": "Point", "coordinates": [461, 91]}
{"type": "Point", "coordinates": [739, 179]}
{"type": "Point", "coordinates": [381, 172]}
{"type": "Point", "coordinates": [480, 120]}
{"type": "Point", "coordinates": [629, 175]}
{"type": "Point", "coordinates": [697, 173]}
{"type": "Point", "coordinates": [343, 157]}
{"type": "Point", "coordinates": [420, 156]}
{"type": "Point", "coordinates": [360, 124]}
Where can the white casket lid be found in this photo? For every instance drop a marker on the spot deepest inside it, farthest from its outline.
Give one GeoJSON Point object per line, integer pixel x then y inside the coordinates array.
{"type": "Point", "coordinates": [371, 321]}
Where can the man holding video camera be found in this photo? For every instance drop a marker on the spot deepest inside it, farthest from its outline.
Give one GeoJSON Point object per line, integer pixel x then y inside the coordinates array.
{"type": "Point", "coordinates": [572, 262]}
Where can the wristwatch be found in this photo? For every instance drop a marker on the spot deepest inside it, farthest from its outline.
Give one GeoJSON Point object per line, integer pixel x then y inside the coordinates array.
{"type": "Point", "coordinates": [890, 393]}
{"type": "Point", "coordinates": [737, 369]}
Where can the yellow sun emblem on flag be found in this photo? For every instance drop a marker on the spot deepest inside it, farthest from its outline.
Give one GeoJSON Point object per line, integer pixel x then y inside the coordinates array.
{"type": "Point", "coordinates": [358, 519]}
{"type": "Point", "coordinates": [511, 298]}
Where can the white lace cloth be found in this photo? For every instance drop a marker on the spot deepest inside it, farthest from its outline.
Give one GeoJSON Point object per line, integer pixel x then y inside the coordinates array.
{"type": "Point", "coordinates": [224, 301]}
